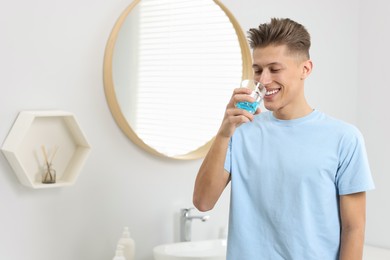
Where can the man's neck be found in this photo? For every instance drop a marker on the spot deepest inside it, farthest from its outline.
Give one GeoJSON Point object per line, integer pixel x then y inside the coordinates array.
{"type": "Point", "coordinates": [289, 113]}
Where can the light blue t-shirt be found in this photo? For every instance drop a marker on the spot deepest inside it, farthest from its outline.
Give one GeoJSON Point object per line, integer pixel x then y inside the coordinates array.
{"type": "Point", "coordinates": [286, 178]}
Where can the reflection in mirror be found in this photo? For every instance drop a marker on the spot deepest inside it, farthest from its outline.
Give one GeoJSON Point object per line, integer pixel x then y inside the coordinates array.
{"type": "Point", "coordinates": [170, 69]}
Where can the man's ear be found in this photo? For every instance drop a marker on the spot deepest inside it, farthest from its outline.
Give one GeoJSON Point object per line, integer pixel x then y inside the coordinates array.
{"type": "Point", "coordinates": [307, 67]}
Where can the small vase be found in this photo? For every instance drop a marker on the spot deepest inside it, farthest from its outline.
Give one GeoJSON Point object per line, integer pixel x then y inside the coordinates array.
{"type": "Point", "coordinates": [49, 174]}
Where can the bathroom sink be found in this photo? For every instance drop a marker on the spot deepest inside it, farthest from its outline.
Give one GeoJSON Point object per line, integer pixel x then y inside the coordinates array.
{"type": "Point", "coordinates": [194, 250]}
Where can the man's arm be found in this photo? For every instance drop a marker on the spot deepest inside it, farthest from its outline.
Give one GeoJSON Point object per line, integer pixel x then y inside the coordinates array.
{"type": "Point", "coordinates": [353, 219]}
{"type": "Point", "coordinates": [212, 177]}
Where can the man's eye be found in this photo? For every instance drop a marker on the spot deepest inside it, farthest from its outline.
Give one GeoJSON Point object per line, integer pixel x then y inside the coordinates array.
{"type": "Point", "coordinates": [274, 70]}
{"type": "Point", "coordinates": [257, 72]}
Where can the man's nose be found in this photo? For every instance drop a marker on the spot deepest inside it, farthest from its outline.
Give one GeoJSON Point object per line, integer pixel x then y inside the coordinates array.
{"type": "Point", "coordinates": [265, 78]}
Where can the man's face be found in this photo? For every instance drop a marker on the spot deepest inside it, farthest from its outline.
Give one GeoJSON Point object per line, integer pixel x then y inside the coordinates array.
{"type": "Point", "coordinates": [283, 75]}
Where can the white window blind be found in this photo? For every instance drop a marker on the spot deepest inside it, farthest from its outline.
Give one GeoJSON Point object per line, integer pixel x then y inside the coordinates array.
{"type": "Point", "coordinates": [189, 62]}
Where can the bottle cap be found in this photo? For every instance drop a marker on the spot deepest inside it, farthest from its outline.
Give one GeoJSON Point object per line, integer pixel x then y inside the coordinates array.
{"type": "Point", "coordinates": [126, 232]}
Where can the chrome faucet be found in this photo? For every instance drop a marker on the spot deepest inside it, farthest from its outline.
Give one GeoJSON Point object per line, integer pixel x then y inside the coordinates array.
{"type": "Point", "coordinates": [185, 223]}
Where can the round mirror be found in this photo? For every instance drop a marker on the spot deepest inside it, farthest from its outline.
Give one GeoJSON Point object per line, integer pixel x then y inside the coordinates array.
{"type": "Point", "coordinates": [169, 70]}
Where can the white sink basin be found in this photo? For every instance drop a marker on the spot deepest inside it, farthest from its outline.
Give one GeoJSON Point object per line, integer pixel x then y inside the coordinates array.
{"type": "Point", "coordinates": [194, 250]}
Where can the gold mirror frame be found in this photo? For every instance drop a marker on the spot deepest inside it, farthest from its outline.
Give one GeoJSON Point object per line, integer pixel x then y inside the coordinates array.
{"type": "Point", "coordinates": [110, 89]}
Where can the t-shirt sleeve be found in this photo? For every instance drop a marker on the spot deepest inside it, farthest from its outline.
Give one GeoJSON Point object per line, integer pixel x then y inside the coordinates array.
{"type": "Point", "coordinates": [353, 174]}
{"type": "Point", "coordinates": [228, 159]}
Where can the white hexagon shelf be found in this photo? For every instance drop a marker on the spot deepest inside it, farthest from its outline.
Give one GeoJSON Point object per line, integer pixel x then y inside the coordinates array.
{"type": "Point", "coordinates": [39, 137]}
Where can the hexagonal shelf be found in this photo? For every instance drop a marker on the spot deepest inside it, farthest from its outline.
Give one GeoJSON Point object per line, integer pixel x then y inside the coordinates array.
{"type": "Point", "coordinates": [38, 138]}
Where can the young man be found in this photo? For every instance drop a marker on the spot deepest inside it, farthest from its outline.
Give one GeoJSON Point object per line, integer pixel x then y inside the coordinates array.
{"type": "Point", "coordinates": [298, 177]}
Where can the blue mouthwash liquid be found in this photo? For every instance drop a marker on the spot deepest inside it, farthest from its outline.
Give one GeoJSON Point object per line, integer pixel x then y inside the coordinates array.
{"type": "Point", "coordinates": [248, 106]}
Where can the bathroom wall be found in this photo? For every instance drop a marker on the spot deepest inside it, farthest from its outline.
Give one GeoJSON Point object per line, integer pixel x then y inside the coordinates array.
{"type": "Point", "coordinates": [51, 58]}
{"type": "Point", "coordinates": [373, 113]}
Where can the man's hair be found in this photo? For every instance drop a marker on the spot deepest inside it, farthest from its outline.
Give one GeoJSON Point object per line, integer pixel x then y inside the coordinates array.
{"type": "Point", "coordinates": [281, 31]}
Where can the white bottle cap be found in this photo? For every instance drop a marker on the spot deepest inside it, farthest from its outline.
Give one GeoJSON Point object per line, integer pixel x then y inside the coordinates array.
{"type": "Point", "coordinates": [126, 232]}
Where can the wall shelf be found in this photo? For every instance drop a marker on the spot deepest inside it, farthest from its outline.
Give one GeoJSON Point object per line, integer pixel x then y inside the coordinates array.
{"type": "Point", "coordinates": [60, 135]}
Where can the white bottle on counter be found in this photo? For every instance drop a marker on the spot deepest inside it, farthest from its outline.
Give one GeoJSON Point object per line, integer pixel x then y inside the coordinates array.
{"type": "Point", "coordinates": [119, 253]}
{"type": "Point", "coordinates": [128, 244]}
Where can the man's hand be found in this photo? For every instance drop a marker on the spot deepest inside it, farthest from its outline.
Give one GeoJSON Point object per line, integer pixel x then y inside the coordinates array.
{"type": "Point", "coordinates": [234, 117]}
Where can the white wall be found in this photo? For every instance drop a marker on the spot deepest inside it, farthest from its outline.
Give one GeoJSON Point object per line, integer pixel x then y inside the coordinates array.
{"type": "Point", "coordinates": [51, 58]}
{"type": "Point", "coordinates": [373, 114]}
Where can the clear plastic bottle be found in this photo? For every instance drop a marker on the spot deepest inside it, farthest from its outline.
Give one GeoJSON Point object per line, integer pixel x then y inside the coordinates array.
{"type": "Point", "coordinates": [119, 253]}
{"type": "Point", "coordinates": [128, 244]}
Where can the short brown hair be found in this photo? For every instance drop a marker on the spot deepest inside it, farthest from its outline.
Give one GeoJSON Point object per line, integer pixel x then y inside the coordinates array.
{"type": "Point", "coordinates": [281, 31]}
